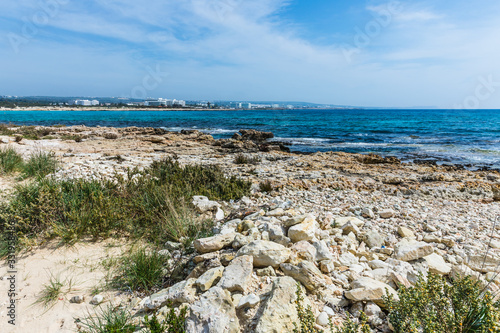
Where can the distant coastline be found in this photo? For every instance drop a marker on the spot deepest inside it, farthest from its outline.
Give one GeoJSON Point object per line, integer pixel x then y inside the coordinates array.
{"type": "Point", "coordinates": [106, 108]}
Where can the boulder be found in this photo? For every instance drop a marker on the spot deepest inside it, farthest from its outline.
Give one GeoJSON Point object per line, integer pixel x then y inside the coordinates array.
{"type": "Point", "coordinates": [214, 312]}
{"type": "Point", "coordinates": [303, 231]}
{"type": "Point", "coordinates": [212, 244]}
{"type": "Point", "coordinates": [437, 265]}
{"type": "Point", "coordinates": [279, 311]}
{"type": "Point", "coordinates": [265, 253]}
{"type": "Point", "coordinates": [182, 292]}
{"type": "Point", "coordinates": [365, 289]}
{"type": "Point", "coordinates": [238, 275]}
{"type": "Point", "coordinates": [322, 251]}
{"type": "Point", "coordinates": [306, 273]}
{"type": "Point", "coordinates": [408, 250]}
{"type": "Point", "coordinates": [254, 135]}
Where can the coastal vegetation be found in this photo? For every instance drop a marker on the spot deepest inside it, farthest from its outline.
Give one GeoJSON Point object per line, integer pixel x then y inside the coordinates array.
{"type": "Point", "coordinates": [436, 304]}
{"type": "Point", "coordinates": [152, 203]}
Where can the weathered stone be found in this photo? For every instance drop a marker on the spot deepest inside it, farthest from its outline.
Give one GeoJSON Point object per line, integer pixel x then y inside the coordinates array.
{"type": "Point", "coordinates": [265, 253]}
{"type": "Point", "coordinates": [437, 265]}
{"type": "Point", "coordinates": [326, 266]}
{"type": "Point", "coordinates": [323, 319]}
{"type": "Point", "coordinates": [208, 278]}
{"type": "Point", "coordinates": [295, 220]}
{"type": "Point", "coordinates": [322, 251]}
{"type": "Point", "coordinates": [366, 289]}
{"type": "Point", "coordinates": [372, 239]}
{"type": "Point", "coordinates": [307, 273]}
{"type": "Point", "coordinates": [212, 244]}
{"type": "Point", "coordinates": [483, 263]}
{"type": "Point", "coordinates": [303, 231]}
{"type": "Point", "coordinates": [304, 250]}
{"type": "Point", "coordinates": [238, 274]}
{"type": "Point", "coordinates": [202, 204]}
{"type": "Point", "coordinates": [249, 301]}
{"type": "Point", "coordinates": [268, 271]}
{"type": "Point", "coordinates": [214, 312]}
{"type": "Point", "coordinates": [408, 250]}
{"type": "Point", "coordinates": [432, 239]}
{"type": "Point", "coordinates": [386, 213]}
{"type": "Point", "coordinates": [341, 221]}
{"type": "Point", "coordinates": [240, 241]}
{"type": "Point", "coordinates": [276, 212]}
{"type": "Point", "coordinates": [279, 312]}
{"type": "Point", "coordinates": [182, 292]}
{"type": "Point", "coordinates": [350, 227]}
{"type": "Point", "coordinates": [405, 232]}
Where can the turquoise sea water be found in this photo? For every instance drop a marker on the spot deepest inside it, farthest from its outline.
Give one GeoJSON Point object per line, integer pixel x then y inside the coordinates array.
{"type": "Point", "coordinates": [470, 137]}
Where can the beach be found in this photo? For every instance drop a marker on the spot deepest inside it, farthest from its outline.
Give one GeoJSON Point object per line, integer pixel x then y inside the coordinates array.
{"type": "Point", "coordinates": [344, 225]}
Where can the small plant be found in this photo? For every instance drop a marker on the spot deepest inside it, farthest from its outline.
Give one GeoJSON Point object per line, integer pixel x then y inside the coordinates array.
{"type": "Point", "coordinates": [438, 305]}
{"type": "Point", "coordinates": [51, 292]}
{"type": "Point", "coordinates": [173, 323]}
{"type": "Point", "coordinates": [242, 159]}
{"type": "Point", "coordinates": [18, 138]}
{"type": "Point", "coordinates": [10, 160]}
{"type": "Point", "coordinates": [107, 320]}
{"type": "Point", "coordinates": [266, 186]}
{"type": "Point", "coordinates": [40, 164]}
{"type": "Point", "coordinates": [142, 269]}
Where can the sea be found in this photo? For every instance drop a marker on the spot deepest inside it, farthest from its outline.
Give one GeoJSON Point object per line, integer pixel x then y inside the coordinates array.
{"type": "Point", "coordinates": [460, 137]}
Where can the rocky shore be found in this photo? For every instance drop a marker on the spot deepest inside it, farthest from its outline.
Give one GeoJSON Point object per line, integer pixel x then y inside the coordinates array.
{"type": "Point", "coordinates": [350, 228]}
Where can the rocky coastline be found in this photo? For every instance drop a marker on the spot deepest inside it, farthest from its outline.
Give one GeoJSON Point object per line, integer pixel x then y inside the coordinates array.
{"type": "Point", "coordinates": [348, 227]}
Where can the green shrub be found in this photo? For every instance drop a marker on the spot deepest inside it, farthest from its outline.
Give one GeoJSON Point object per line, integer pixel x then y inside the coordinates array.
{"type": "Point", "coordinates": [40, 164]}
{"type": "Point", "coordinates": [438, 305]}
{"type": "Point", "coordinates": [10, 160]}
{"type": "Point", "coordinates": [108, 320]}
{"type": "Point", "coordinates": [173, 323]}
{"type": "Point", "coordinates": [142, 269]}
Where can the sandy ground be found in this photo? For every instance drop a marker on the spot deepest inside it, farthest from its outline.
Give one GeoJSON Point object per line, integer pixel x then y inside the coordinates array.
{"type": "Point", "coordinates": [79, 268]}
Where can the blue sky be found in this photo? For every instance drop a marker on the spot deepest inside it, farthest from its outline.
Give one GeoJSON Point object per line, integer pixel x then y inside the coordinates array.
{"type": "Point", "coordinates": [438, 53]}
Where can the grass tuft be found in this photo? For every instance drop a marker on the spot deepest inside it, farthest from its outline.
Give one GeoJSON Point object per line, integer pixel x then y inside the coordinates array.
{"type": "Point", "coordinates": [142, 269]}
{"type": "Point", "coordinates": [10, 160]}
{"type": "Point", "coordinates": [40, 164]}
{"type": "Point", "coordinates": [51, 292]}
{"type": "Point", "coordinates": [107, 320]}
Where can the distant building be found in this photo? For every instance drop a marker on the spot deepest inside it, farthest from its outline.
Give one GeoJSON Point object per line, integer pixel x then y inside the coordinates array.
{"type": "Point", "coordinates": [84, 102]}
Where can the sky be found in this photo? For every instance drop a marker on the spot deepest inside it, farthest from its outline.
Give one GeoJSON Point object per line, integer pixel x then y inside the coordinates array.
{"type": "Point", "coordinates": [418, 53]}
